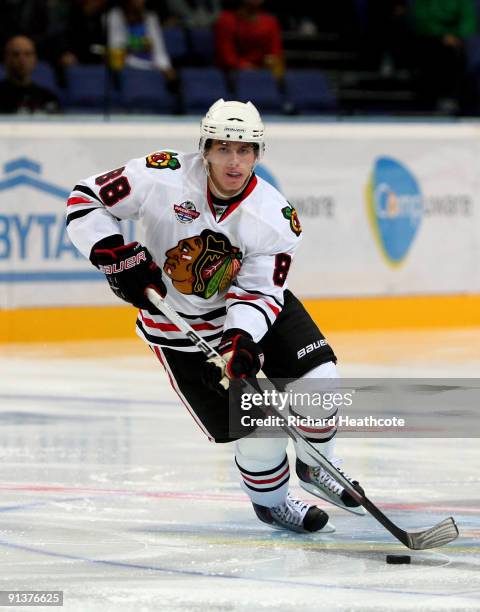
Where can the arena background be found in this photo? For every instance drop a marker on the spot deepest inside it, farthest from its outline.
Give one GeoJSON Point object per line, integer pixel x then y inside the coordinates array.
{"type": "Point", "coordinates": [389, 212]}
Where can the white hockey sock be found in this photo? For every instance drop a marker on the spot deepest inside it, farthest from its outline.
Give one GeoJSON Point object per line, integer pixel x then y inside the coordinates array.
{"type": "Point", "coordinates": [324, 379]}
{"type": "Point", "coordinates": [264, 469]}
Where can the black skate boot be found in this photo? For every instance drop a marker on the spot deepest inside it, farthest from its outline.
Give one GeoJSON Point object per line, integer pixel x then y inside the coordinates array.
{"type": "Point", "coordinates": [295, 515]}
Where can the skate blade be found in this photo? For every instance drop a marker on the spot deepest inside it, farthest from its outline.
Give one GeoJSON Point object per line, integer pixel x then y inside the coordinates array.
{"type": "Point", "coordinates": [328, 528]}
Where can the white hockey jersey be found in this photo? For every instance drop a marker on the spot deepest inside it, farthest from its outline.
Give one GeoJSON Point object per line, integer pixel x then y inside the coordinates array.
{"type": "Point", "coordinates": [223, 268]}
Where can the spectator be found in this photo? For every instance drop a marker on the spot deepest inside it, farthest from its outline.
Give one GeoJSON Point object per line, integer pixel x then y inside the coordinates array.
{"type": "Point", "coordinates": [135, 39]}
{"type": "Point", "coordinates": [43, 22]}
{"type": "Point", "coordinates": [17, 92]}
{"type": "Point", "coordinates": [387, 36]}
{"type": "Point", "coordinates": [248, 37]}
{"type": "Point", "coordinates": [308, 19]}
{"type": "Point", "coordinates": [86, 32]}
{"type": "Point", "coordinates": [441, 27]}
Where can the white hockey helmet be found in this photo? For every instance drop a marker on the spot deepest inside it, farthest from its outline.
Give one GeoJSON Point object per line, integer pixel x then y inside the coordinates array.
{"type": "Point", "coordinates": [235, 121]}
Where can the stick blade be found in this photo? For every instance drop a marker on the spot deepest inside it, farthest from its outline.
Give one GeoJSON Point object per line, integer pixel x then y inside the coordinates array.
{"type": "Point", "coordinates": [442, 533]}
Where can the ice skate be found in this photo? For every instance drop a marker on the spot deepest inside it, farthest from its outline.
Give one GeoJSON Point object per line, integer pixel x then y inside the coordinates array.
{"type": "Point", "coordinates": [318, 482]}
{"type": "Point", "coordinates": [295, 515]}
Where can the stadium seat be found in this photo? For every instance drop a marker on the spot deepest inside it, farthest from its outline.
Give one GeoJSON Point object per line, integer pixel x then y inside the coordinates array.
{"type": "Point", "coordinates": [202, 46]}
{"type": "Point", "coordinates": [89, 90]}
{"type": "Point", "coordinates": [261, 88]}
{"type": "Point", "coordinates": [145, 91]}
{"type": "Point", "coordinates": [472, 52]}
{"type": "Point", "coordinates": [44, 76]}
{"type": "Point", "coordinates": [201, 87]}
{"type": "Point", "coordinates": [309, 92]}
{"type": "Point", "coordinates": [175, 43]}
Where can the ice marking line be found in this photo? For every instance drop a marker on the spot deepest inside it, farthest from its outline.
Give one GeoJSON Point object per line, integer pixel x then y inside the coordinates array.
{"type": "Point", "coordinates": [200, 574]}
{"type": "Point", "coordinates": [128, 492]}
{"type": "Point", "coordinates": [39, 503]}
{"type": "Point", "coordinates": [71, 398]}
{"type": "Point", "coordinates": [202, 496]}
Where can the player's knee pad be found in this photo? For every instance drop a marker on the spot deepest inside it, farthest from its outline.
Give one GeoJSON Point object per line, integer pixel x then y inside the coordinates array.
{"type": "Point", "coordinates": [320, 418]}
{"type": "Point", "coordinates": [324, 370]}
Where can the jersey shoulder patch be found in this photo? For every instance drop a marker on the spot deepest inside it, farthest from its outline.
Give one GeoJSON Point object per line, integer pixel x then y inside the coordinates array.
{"type": "Point", "coordinates": [163, 159]}
{"type": "Point", "coordinates": [291, 215]}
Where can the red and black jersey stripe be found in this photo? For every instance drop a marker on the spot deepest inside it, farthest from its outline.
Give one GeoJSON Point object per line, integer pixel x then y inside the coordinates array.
{"type": "Point", "coordinates": [77, 214]}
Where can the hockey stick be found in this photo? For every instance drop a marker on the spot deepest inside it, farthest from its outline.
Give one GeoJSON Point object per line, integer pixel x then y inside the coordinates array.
{"type": "Point", "coordinates": [440, 534]}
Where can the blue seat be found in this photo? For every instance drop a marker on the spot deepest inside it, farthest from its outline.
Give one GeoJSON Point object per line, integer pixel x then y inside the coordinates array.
{"type": "Point", "coordinates": [472, 52]}
{"type": "Point", "coordinates": [175, 43]}
{"type": "Point", "coordinates": [261, 88]}
{"type": "Point", "coordinates": [88, 89]}
{"type": "Point", "coordinates": [44, 76]}
{"type": "Point", "coordinates": [146, 91]}
{"type": "Point", "coordinates": [309, 92]}
{"type": "Point", "coordinates": [202, 45]}
{"type": "Point", "coordinates": [201, 87]}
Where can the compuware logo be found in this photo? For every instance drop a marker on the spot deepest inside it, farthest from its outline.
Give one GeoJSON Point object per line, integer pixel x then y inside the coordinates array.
{"type": "Point", "coordinates": [395, 208]}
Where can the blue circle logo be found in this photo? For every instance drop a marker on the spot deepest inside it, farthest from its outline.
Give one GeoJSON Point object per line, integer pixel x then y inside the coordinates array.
{"type": "Point", "coordinates": [395, 207]}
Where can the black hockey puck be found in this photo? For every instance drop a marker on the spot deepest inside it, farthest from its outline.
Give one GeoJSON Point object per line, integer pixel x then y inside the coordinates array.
{"type": "Point", "coordinates": [398, 559]}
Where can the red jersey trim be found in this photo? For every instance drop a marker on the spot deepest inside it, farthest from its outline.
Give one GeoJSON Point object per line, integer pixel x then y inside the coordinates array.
{"type": "Point", "coordinates": [78, 200]}
{"type": "Point", "coordinates": [248, 190]}
{"type": "Point", "coordinates": [247, 298]}
{"type": "Point", "coordinates": [316, 429]}
{"type": "Point", "coordinates": [171, 327]}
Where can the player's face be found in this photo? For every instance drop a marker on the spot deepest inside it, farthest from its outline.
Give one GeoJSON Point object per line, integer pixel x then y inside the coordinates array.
{"type": "Point", "coordinates": [230, 164]}
{"type": "Point", "coordinates": [179, 263]}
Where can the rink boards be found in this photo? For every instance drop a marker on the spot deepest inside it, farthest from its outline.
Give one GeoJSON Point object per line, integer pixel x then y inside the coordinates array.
{"type": "Point", "coordinates": [390, 216]}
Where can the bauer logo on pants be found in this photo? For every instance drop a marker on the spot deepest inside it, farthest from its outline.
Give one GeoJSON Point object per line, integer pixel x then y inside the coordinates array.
{"type": "Point", "coordinates": [395, 208]}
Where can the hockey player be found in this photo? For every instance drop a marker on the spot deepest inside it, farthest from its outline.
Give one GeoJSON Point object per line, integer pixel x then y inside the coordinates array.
{"type": "Point", "coordinates": [218, 242]}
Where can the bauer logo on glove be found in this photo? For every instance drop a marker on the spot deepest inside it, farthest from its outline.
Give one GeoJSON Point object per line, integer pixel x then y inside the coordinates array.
{"type": "Point", "coordinates": [124, 264]}
{"type": "Point", "coordinates": [130, 270]}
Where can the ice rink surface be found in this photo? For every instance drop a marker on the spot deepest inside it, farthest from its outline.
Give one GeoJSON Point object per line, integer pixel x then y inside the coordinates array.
{"type": "Point", "coordinates": [111, 493]}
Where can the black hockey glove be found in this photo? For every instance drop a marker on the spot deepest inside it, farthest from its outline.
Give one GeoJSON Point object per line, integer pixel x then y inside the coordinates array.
{"type": "Point", "coordinates": [130, 270]}
{"type": "Point", "coordinates": [241, 358]}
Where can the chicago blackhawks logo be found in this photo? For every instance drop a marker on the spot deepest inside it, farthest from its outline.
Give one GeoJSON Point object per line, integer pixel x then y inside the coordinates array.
{"type": "Point", "coordinates": [291, 214]}
{"type": "Point", "coordinates": [203, 265]}
{"type": "Point", "coordinates": [163, 159]}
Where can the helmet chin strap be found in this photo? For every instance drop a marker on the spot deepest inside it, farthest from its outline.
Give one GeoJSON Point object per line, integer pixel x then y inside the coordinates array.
{"type": "Point", "coordinates": [213, 186]}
